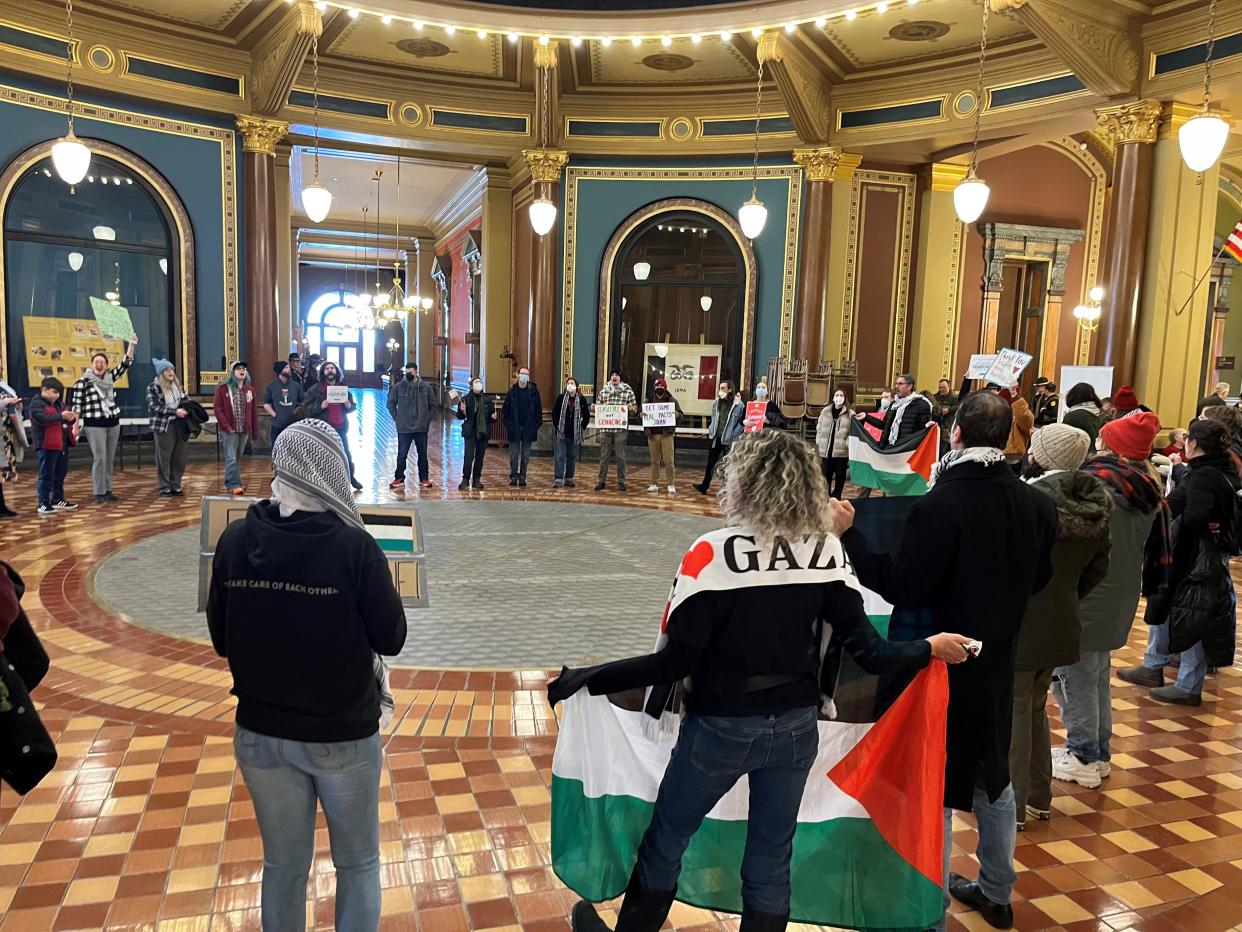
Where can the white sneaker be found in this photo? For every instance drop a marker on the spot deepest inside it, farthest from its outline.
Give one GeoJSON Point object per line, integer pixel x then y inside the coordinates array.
{"type": "Point", "coordinates": [45, 510]}
{"type": "Point", "coordinates": [1069, 768]}
{"type": "Point", "coordinates": [672, 490]}
{"type": "Point", "coordinates": [1105, 769]}
{"type": "Point", "coordinates": [653, 488]}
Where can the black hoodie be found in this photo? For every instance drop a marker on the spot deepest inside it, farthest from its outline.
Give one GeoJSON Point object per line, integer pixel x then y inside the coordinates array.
{"type": "Point", "coordinates": [297, 605]}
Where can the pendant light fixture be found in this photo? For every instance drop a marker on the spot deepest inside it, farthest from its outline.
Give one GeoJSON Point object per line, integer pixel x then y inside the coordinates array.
{"type": "Point", "coordinates": [316, 199]}
{"type": "Point", "coordinates": [970, 197]}
{"type": "Point", "coordinates": [70, 156]}
{"type": "Point", "coordinates": [705, 303]}
{"type": "Point", "coordinates": [753, 215]}
{"type": "Point", "coordinates": [1202, 138]}
{"type": "Point", "coordinates": [542, 209]}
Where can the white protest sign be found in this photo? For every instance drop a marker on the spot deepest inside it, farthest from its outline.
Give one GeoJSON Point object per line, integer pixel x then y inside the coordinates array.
{"type": "Point", "coordinates": [1098, 377]}
{"type": "Point", "coordinates": [1007, 366]}
{"type": "Point", "coordinates": [659, 414]}
{"type": "Point", "coordinates": [611, 417]}
{"type": "Point", "coordinates": [338, 394]}
{"type": "Point", "coordinates": [980, 363]}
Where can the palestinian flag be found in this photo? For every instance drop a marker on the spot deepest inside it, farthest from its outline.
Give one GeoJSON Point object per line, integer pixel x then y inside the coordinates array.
{"type": "Point", "coordinates": [869, 843]}
{"type": "Point", "coordinates": [901, 469]}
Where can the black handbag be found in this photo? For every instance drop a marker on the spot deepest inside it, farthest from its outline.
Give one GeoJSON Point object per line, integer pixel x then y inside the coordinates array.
{"type": "Point", "coordinates": [1203, 600]}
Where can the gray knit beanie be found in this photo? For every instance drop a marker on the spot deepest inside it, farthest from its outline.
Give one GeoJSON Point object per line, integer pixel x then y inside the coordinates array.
{"type": "Point", "coordinates": [1060, 446]}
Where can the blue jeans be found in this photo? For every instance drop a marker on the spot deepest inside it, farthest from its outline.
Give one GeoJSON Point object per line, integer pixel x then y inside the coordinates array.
{"type": "Point", "coordinates": [285, 778]}
{"type": "Point", "coordinates": [1082, 691]}
{"type": "Point", "coordinates": [234, 446]}
{"type": "Point", "coordinates": [519, 458]}
{"type": "Point", "coordinates": [1190, 671]}
{"type": "Point", "coordinates": [53, 465]}
{"type": "Point", "coordinates": [712, 752]}
{"type": "Point", "coordinates": [565, 458]}
{"type": "Point", "coordinates": [998, 834]}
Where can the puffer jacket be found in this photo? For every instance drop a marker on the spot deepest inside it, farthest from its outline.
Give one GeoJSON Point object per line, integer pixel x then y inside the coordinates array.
{"type": "Point", "coordinates": [832, 432]}
{"type": "Point", "coordinates": [1051, 630]}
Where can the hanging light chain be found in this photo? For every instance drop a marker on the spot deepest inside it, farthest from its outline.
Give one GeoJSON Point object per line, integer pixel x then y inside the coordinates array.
{"type": "Point", "coordinates": [69, 59]}
{"type": "Point", "coordinates": [983, 50]}
{"type": "Point", "coordinates": [1207, 58]}
{"type": "Point", "coordinates": [754, 182]}
{"type": "Point", "coordinates": [315, 96]}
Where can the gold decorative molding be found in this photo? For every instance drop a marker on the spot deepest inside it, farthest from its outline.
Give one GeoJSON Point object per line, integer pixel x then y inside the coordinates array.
{"type": "Point", "coordinates": [1093, 167]}
{"type": "Point", "coordinates": [827, 163]}
{"type": "Point", "coordinates": [1098, 42]}
{"type": "Point", "coordinates": [278, 57]}
{"type": "Point", "coordinates": [1176, 114]}
{"type": "Point", "coordinates": [545, 165]}
{"type": "Point", "coordinates": [806, 92]}
{"type": "Point", "coordinates": [1136, 122]}
{"type": "Point", "coordinates": [260, 134]}
{"type": "Point", "coordinates": [942, 176]}
{"type": "Point", "coordinates": [545, 55]}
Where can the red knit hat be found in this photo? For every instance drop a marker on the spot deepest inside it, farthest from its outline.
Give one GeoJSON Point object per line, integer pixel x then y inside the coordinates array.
{"type": "Point", "coordinates": [1125, 400]}
{"type": "Point", "coordinates": [1132, 436]}
{"type": "Point", "coordinates": [660, 383]}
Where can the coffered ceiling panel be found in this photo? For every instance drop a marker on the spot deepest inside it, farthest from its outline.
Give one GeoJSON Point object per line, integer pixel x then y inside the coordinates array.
{"type": "Point", "coordinates": [210, 14]}
{"type": "Point", "coordinates": [368, 39]}
{"type": "Point", "coordinates": [921, 31]}
{"type": "Point", "coordinates": [683, 62]}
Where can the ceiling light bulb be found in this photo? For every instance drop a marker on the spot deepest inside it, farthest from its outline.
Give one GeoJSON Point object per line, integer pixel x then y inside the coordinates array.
{"type": "Point", "coordinates": [696, 38]}
{"type": "Point", "coordinates": [756, 33]}
{"type": "Point", "coordinates": [821, 22]}
{"type": "Point", "coordinates": [1096, 293]}
{"type": "Point", "coordinates": [912, 2]}
{"type": "Point", "coordinates": [606, 41]}
{"type": "Point", "coordinates": [386, 20]}
{"type": "Point", "coordinates": [450, 30]}
{"type": "Point", "coordinates": [317, 201]}
{"type": "Point", "coordinates": [790, 27]}
{"type": "Point", "coordinates": [427, 302]}
{"type": "Point", "coordinates": [513, 37]}
{"type": "Point", "coordinates": [575, 41]}
{"type": "Point", "coordinates": [636, 41]}
{"type": "Point", "coordinates": [705, 303]}
{"type": "Point", "coordinates": [666, 41]}
{"type": "Point", "coordinates": [321, 6]}
{"type": "Point", "coordinates": [726, 36]}
{"type": "Point", "coordinates": [112, 296]}
{"type": "Point", "coordinates": [75, 260]}
{"type": "Point", "coordinates": [642, 270]}
{"type": "Point", "coordinates": [418, 26]}
{"type": "Point", "coordinates": [70, 158]}
{"type": "Point", "coordinates": [481, 33]}
{"type": "Point", "coordinates": [103, 179]}
{"type": "Point", "coordinates": [129, 180]}
{"type": "Point", "coordinates": [882, 6]}
{"type": "Point", "coordinates": [104, 233]}
{"type": "Point", "coordinates": [970, 198]}
{"type": "Point", "coordinates": [353, 14]}
{"type": "Point", "coordinates": [1202, 139]}
{"type": "Point", "coordinates": [851, 15]}
{"type": "Point", "coordinates": [752, 216]}
{"type": "Point", "coordinates": [543, 40]}
{"type": "Point", "coordinates": [542, 215]}
{"type": "Point", "coordinates": [90, 178]}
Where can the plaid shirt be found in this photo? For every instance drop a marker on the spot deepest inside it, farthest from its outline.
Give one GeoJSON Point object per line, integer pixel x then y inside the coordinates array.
{"type": "Point", "coordinates": [162, 414]}
{"type": "Point", "coordinates": [614, 395]}
{"type": "Point", "coordinates": [86, 401]}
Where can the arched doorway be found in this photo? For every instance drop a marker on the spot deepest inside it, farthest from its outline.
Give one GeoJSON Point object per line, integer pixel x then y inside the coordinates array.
{"type": "Point", "coordinates": [332, 332]}
{"type": "Point", "coordinates": [121, 234]}
{"type": "Point", "coordinates": [678, 283]}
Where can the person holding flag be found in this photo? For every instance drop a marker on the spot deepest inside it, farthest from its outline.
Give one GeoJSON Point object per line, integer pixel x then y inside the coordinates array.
{"type": "Point", "coordinates": [744, 622]}
{"type": "Point", "coordinates": [908, 414]}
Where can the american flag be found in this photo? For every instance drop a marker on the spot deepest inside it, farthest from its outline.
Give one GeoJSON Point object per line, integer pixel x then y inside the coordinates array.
{"type": "Point", "coordinates": [1233, 245]}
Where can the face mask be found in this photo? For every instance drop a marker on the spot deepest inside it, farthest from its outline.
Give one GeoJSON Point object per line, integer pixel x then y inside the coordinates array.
{"type": "Point", "coordinates": [410, 376]}
{"type": "Point", "coordinates": [761, 392]}
{"type": "Point", "coordinates": [477, 387]}
{"type": "Point", "coordinates": [722, 394]}
{"type": "Point", "coordinates": [570, 387]}
{"type": "Point", "coordinates": [838, 400]}
{"type": "Point", "coordinates": [523, 378]}
{"type": "Point", "coordinates": [884, 403]}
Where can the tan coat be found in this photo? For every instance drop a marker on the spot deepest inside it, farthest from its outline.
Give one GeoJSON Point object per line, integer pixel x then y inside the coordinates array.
{"type": "Point", "coordinates": [1020, 432]}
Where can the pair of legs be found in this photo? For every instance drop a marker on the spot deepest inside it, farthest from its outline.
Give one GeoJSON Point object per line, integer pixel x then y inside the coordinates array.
{"type": "Point", "coordinates": [53, 466]}
{"type": "Point", "coordinates": [565, 459]}
{"type": "Point", "coordinates": [834, 473]}
{"type": "Point", "coordinates": [286, 780]}
{"type": "Point", "coordinates": [102, 441]}
{"type": "Point", "coordinates": [1082, 691]}
{"type": "Point", "coordinates": [472, 462]}
{"type": "Point", "coordinates": [233, 445]}
{"type": "Point", "coordinates": [419, 441]}
{"type": "Point", "coordinates": [661, 447]}
{"type": "Point", "coordinates": [343, 433]}
{"type": "Point", "coordinates": [519, 459]}
{"type": "Point", "coordinates": [1191, 669]}
{"type": "Point", "coordinates": [714, 452]}
{"type": "Point", "coordinates": [998, 834]}
{"type": "Point", "coordinates": [170, 449]}
{"type": "Point", "coordinates": [1030, 747]}
{"type": "Point", "coordinates": [612, 444]}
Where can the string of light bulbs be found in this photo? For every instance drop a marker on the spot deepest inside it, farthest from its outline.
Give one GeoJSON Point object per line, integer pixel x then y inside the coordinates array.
{"type": "Point", "coordinates": [576, 40]}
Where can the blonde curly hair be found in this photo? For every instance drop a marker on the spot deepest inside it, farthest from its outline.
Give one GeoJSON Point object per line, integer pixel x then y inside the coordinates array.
{"type": "Point", "coordinates": [773, 486]}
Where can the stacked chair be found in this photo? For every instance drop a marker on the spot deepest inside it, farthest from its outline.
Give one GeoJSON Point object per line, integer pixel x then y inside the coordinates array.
{"type": "Point", "coordinates": [802, 394]}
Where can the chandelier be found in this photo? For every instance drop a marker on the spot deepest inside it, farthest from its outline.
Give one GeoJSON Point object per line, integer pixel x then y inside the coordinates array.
{"type": "Point", "coordinates": [70, 156]}
{"type": "Point", "coordinates": [360, 301]}
{"type": "Point", "coordinates": [394, 304]}
{"type": "Point", "coordinates": [970, 197]}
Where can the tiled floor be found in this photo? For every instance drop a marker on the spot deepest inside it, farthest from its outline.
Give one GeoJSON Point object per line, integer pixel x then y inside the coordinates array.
{"type": "Point", "coordinates": [145, 823]}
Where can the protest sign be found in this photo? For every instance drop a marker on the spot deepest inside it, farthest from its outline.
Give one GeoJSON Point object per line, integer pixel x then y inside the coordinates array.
{"type": "Point", "coordinates": [113, 319]}
{"type": "Point", "coordinates": [659, 414]}
{"type": "Point", "coordinates": [756, 412]}
{"type": "Point", "coordinates": [980, 363]}
{"type": "Point", "coordinates": [611, 417]}
{"type": "Point", "coordinates": [1007, 366]}
{"type": "Point", "coordinates": [338, 394]}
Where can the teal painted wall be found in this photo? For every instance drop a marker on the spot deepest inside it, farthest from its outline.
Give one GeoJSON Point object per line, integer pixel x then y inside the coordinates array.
{"type": "Point", "coordinates": [192, 166]}
{"type": "Point", "coordinates": [604, 203]}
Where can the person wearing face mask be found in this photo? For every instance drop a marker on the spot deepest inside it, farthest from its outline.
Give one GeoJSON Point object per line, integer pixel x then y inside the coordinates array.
{"type": "Point", "coordinates": [282, 397]}
{"type": "Point", "coordinates": [612, 440]}
{"type": "Point", "coordinates": [523, 410]}
{"type": "Point", "coordinates": [412, 403]}
{"type": "Point", "coordinates": [726, 425]}
{"type": "Point", "coordinates": [166, 405]}
{"type": "Point", "coordinates": [237, 421]}
{"type": "Point", "coordinates": [660, 440]}
{"type": "Point", "coordinates": [772, 416]}
{"type": "Point", "coordinates": [832, 441]}
{"type": "Point", "coordinates": [335, 413]}
{"type": "Point", "coordinates": [93, 399]}
{"type": "Point", "coordinates": [476, 412]}
{"type": "Point", "coordinates": [570, 416]}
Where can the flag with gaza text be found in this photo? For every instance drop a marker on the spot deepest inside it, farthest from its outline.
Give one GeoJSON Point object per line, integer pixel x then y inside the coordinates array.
{"type": "Point", "coordinates": [867, 851]}
{"type": "Point", "coordinates": [903, 468]}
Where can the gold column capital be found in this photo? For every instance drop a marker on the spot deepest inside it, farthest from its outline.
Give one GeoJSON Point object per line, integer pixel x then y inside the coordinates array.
{"type": "Point", "coordinates": [545, 55]}
{"type": "Point", "coordinates": [545, 164]}
{"type": "Point", "coordinates": [1135, 122]}
{"type": "Point", "coordinates": [770, 47]}
{"type": "Point", "coordinates": [260, 134]}
{"type": "Point", "coordinates": [827, 163]}
{"type": "Point", "coordinates": [942, 176]}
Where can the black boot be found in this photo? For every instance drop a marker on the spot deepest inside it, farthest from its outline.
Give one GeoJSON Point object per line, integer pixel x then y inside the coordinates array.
{"type": "Point", "coordinates": [755, 921]}
{"type": "Point", "coordinates": [5, 511]}
{"type": "Point", "coordinates": [642, 910]}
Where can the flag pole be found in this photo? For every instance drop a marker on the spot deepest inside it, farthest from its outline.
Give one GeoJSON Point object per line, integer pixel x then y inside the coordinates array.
{"type": "Point", "coordinates": [1220, 252]}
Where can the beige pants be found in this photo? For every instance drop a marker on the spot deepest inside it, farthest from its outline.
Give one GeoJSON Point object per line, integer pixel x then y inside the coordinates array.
{"type": "Point", "coordinates": [661, 446]}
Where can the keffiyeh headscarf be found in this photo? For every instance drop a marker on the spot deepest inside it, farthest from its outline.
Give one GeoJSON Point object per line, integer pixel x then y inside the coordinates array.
{"type": "Point", "coordinates": [308, 461]}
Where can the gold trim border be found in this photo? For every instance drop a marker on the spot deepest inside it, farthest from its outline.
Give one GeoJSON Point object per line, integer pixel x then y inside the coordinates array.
{"type": "Point", "coordinates": [575, 174]}
{"type": "Point", "coordinates": [106, 69]}
{"type": "Point", "coordinates": [943, 116]}
{"type": "Point", "coordinates": [957, 269]}
{"type": "Point", "coordinates": [391, 105]}
{"type": "Point", "coordinates": [41, 56]}
{"type": "Point", "coordinates": [663, 121]}
{"type": "Point", "coordinates": [162, 83]}
{"type": "Point", "coordinates": [1027, 104]}
{"type": "Point", "coordinates": [225, 138]}
{"type": "Point", "coordinates": [1085, 159]}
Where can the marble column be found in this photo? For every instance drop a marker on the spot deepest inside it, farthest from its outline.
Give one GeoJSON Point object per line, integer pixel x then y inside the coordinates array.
{"type": "Point", "coordinates": [932, 340]}
{"type": "Point", "coordinates": [1132, 129]}
{"type": "Point", "coordinates": [259, 138]}
{"type": "Point", "coordinates": [545, 170]}
{"type": "Point", "coordinates": [822, 166]}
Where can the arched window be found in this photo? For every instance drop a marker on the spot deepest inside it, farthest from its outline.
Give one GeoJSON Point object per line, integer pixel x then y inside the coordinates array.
{"type": "Point", "coordinates": [109, 238]}
{"type": "Point", "coordinates": [332, 332]}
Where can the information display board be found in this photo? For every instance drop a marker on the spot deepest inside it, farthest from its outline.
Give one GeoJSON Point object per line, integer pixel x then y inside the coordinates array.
{"type": "Point", "coordinates": [62, 347]}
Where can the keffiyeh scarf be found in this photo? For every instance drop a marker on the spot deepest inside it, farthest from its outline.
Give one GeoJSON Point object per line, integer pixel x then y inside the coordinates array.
{"type": "Point", "coordinates": [898, 407]}
{"type": "Point", "coordinates": [988, 456]}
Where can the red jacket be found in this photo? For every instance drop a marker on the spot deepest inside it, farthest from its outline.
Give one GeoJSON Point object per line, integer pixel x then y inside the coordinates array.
{"type": "Point", "coordinates": [225, 418]}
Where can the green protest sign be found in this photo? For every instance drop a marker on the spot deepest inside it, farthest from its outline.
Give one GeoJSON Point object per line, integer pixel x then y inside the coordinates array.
{"type": "Point", "coordinates": [113, 319]}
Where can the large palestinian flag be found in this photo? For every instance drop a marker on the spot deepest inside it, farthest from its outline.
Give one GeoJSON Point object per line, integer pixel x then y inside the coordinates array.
{"type": "Point", "coordinates": [868, 847]}
{"type": "Point", "coordinates": [901, 469]}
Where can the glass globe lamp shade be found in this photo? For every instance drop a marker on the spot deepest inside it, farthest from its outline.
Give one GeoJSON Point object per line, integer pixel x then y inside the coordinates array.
{"type": "Point", "coordinates": [542, 215]}
{"type": "Point", "coordinates": [705, 302]}
{"type": "Point", "coordinates": [642, 270]}
{"type": "Point", "coordinates": [364, 299]}
{"type": "Point", "coordinates": [1096, 294]}
{"type": "Point", "coordinates": [970, 198]}
{"type": "Point", "coordinates": [411, 300]}
{"type": "Point", "coordinates": [752, 216]}
{"type": "Point", "coordinates": [75, 260]}
{"type": "Point", "coordinates": [317, 200]}
{"type": "Point", "coordinates": [70, 158]}
{"type": "Point", "coordinates": [427, 304]}
{"type": "Point", "coordinates": [1202, 139]}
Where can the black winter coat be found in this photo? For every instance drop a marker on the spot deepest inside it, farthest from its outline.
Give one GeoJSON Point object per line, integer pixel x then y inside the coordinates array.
{"type": "Point", "coordinates": [1198, 601]}
{"type": "Point", "coordinates": [27, 753]}
{"type": "Point", "coordinates": [918, 413]}
{"type": "Point", "coordinates": [973, 551]}
{"type": "Point", "coordinates": [471, 401]}
{"type": "Point", "coordinates": [523, 413]}
{"type": "Point", "coordinates": [584, 413]}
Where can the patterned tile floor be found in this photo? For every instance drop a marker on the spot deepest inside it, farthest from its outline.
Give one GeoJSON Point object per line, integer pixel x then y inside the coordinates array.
{"type": "Point", "coordinates": [145, 823]}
